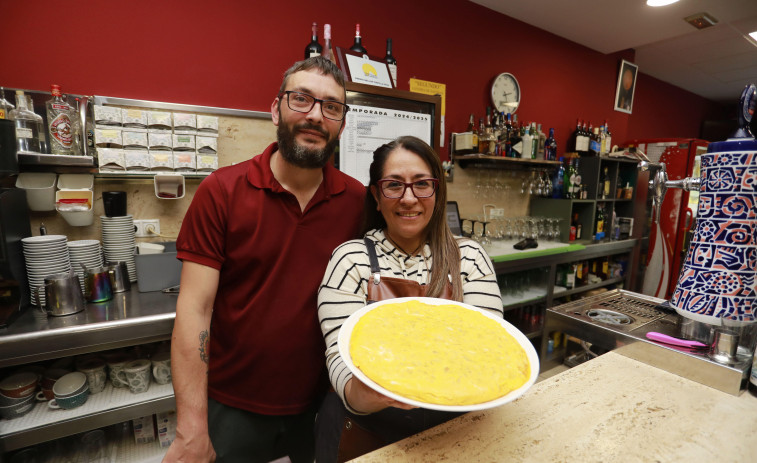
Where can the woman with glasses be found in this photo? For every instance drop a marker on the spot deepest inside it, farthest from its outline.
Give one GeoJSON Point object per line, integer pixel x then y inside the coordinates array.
{"type": "Point", "coordinates": [407, 250]}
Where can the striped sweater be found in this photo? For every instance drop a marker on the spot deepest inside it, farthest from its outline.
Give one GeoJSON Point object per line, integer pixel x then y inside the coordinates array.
{"type": "Point", "coordinates": [344, 286]}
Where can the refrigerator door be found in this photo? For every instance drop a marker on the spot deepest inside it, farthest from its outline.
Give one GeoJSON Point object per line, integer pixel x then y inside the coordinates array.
{"type": "Point", "coordinates": [665, 244]}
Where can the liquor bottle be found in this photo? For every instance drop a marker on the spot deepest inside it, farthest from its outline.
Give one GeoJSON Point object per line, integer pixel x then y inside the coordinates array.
{"type": "Point", "coordinates": [483, 141]}
{"type": "Point", "coordinates": [60, 123]}
{"type": "Point", "coordinates": [601, 139]}
{"type": "Point", "coordinates": [577, 224]}
{"type": "Point", "coordinates": [550, 146]}
{"type": "Point", "coordinates": [391, 62]}
{"type": "Point", "coordinates": [594, 143]}
{"type": "Point", "coordinates": [570, 174]}
{"type": "Point", "coordinates": [508, 136]}
{"type": "Point", "coordinates": [605, 184]}
{"type": "Point", "coordinates": [328, 52]}
{"type": "Point", "coordinates": [600, 228]}
{"type": "Point", "coordinates": [558, 184]}
{"type": "Point", "coordinates": [585, 273]}
{"type": "Point", "coordinates": [586, 138]}
{"type": "Point", "coordinates": [491, 143]}
{"type": "Point", "coordinates": [314, 48]}
{"type": "Point", "coordinates": [43, 148]}
{"type": "Point", "coordinates": [472, 129]}
{"type": "Point", "coordinates": [5, 106]}
{"type": "Point", "coordinates": [357, 45]}
{"type": "Point", "coordinates": [608, 138]}
{"type": "Point", "coordinates": [534, 140]}
{"type": "Point", "coordinates": [27, 130]}
{"type": "Point", "coordinates": [542, 142]}
{"type": "Point", "coordinates": [527, 140]}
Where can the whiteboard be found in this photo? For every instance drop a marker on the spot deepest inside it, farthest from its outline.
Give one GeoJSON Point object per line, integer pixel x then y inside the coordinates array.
{"type": "Point", "coordinates": [366, 128]}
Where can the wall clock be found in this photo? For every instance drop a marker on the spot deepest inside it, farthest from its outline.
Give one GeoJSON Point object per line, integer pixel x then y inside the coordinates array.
{"type": "Point", "coordinates": [505, 92]}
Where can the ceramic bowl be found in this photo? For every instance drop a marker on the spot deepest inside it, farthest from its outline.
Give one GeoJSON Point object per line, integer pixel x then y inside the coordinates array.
{"type": "Point", "coordinates": [19, 385]}
{"type": "Point", "coordinates": [50, 376]}
{"type": "Point", "coordinates": [71, 401]}
{"type": "Point", "coordinates": [18, 409]}
{"type": "Point", "coordinates": [70, 384]}
{"type": "Point", "coordinates": [6, 401]}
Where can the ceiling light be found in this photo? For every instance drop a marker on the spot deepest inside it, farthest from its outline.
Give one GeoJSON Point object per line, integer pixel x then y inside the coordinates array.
{"type": "Point", "coordinates": [701, 20]}
{"type": "Point", "coordinates": [660, 2]}
{"type": "Point", "coordinates": [753, 35]}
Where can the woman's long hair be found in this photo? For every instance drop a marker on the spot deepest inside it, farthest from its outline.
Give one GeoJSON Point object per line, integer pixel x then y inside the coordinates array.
{"type": "Point", "coordinates": [444, 249]}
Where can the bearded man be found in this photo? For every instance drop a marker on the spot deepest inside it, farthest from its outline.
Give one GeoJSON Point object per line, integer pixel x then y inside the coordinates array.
{"type": "Point", "coordinates": [247, 351]}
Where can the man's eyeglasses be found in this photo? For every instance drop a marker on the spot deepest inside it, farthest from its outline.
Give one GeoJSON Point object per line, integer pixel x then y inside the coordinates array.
{"type": "Point", "coordinates": [303, 103]}
{"type": "Point", "coordinates": [394, 189]}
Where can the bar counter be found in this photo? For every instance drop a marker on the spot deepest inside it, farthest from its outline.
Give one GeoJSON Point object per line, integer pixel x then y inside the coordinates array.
{"type": "Point", "coordinates": [609, 409]}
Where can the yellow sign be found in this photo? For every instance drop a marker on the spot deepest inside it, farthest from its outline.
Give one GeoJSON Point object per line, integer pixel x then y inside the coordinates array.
{"type": "Point", "coordinates": [430, 88]}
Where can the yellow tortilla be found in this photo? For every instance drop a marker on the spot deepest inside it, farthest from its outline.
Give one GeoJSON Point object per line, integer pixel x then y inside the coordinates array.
{"type": "Point", "coordinates": [438, 354]}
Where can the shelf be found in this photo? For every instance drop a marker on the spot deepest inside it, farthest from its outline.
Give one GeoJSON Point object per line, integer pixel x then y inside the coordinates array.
{"type": "Point", "coordinates": [128, 175]}
{"type": "Point", "coordinates": [530, 296]}
{"type": "Point", "coordinates": [111, 406]}
{"type": "Point", "coordinates": [498, 161]}
{"type": "Point", "coordinates": [582, 289]}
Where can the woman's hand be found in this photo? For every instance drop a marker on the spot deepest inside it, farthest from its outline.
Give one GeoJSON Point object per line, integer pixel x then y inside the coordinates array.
{"type": "Point", "coordinates": [366, 400]}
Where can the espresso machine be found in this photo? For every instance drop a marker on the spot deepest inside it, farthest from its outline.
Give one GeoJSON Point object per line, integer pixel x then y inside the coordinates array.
{"type": "Point", "coordinates": [708, 330]}
{"type": "Point", "coordinates": [14, 225]}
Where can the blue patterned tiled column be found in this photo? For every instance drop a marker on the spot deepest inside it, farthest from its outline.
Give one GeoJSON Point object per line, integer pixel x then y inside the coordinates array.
{"type": "Point", "coordinates": [717, 280]}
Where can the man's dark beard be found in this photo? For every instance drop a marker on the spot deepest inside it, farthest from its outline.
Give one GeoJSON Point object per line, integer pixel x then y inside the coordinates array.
{"type": "Point", "coordinates": [301, 156]}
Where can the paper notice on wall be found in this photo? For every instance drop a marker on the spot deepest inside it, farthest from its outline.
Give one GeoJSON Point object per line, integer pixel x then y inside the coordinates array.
{"type": "Point", "coordinates": [366, 128]}
{"type": "Point", "coordinates": [432, 88]}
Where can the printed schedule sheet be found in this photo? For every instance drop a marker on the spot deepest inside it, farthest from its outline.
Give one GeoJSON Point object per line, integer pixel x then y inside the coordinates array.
{"type": "Point", "coordinates": [366, 128]}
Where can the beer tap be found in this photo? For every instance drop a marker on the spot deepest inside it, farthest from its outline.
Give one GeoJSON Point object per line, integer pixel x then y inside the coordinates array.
{"type": "Point", "coordinates": [659, 182]}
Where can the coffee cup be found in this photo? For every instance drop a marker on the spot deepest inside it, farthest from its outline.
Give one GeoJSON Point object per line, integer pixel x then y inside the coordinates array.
{"type": "Point", "coordinates": [116, 365]}
{"type": "Point", "coordinates": [161, 367]}
{"type": "Point", "coordinates": [62, 294]}
{"type": "Point", "coordinates": [114, 203]}
{"type": "Point", "coordinates": [70, 391]}
{"type": "Point", "coordinates": [138, 375]}
{"type": "Point", "coordinates": [19, 385]}
{"type": "Point", "coordinates": [94, 368]}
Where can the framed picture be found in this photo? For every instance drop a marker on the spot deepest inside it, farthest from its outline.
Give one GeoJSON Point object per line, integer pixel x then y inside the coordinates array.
{"type": "Point", "coordinates": [363, 69]}
{"type": "Point", "coordinates": [626, 87]}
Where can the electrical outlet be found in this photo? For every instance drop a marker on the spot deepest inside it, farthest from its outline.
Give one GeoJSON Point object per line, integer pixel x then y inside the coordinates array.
{"type": "Point", "coordinates": [147, 227]}
{"type": "Point", "coordinates": [496, 213]}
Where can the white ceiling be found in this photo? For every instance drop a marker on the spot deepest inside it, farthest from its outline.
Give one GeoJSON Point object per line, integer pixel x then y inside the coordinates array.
{"type": "Point", "coordinates": [716, 62]}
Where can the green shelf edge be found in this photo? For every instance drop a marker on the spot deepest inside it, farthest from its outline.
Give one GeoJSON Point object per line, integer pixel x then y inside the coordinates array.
{"type": "Point", "coordinates": [537, 253]}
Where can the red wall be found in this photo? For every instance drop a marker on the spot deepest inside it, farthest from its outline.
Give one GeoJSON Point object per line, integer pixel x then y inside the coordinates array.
{"type": "Point", "coordinates": [232, 53]}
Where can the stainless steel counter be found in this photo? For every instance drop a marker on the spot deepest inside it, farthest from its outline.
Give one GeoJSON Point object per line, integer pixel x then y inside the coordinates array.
{"type": "Point", "coordinates": [128, 319]}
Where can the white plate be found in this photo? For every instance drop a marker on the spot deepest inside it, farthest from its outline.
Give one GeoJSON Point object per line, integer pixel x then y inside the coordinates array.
{"type": "Point", "coordinates": [344, 350]}
{"type": "Point", "coordinates": [44, 239]}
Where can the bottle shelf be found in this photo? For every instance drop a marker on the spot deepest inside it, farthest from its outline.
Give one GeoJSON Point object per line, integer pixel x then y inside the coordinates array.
{"type": "Point", "coordinates": [498, 161]}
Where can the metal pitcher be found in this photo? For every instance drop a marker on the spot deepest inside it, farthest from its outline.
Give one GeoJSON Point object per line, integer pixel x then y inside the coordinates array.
{"type": "Point", "coordinates": [97, 285]}
{"type": "Point", "coordinates": [62, 295]}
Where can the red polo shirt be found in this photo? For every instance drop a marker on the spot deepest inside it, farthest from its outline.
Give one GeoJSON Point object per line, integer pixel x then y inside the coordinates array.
{"type": "Point", "coordinates": [266, 347]}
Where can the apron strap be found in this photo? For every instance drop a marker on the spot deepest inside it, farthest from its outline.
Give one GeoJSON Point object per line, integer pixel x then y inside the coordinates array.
{"type": "Point", "coordinates": [370, 246]}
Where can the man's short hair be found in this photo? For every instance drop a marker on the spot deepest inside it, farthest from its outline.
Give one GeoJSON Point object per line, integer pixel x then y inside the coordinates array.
{"type": "Point", "coordinates": [319, 63]}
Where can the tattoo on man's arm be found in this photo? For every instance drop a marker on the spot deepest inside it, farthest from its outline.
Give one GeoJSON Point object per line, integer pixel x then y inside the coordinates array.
{"type": "Point", "coordinates": [204, 346]}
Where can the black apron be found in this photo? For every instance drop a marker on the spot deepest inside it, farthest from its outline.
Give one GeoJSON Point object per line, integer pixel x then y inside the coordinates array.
{"type": "Point", "coordinates": [360, 434]}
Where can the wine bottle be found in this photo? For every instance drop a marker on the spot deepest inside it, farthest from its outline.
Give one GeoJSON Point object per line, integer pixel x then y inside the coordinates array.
{"type": "Point", "coordinates": [328, 52]}
{"type": "Point", "coordinates": [558, 181]}
{"type": "Point", "coordinates": [391, 62]}
{"type": "Point", "coordinates": [314, 48]}
{"type": "Point", "coordinates": [594, 143]}
{"type": "Point", "coordinates": [608, 138]}
{"type": "Point", "coordinates": [600, 229]}
{"type": "Point", "coordinates": [528, 141]}
{"type": "Point", "coordinates": [542, 142]}
{"type": "Point", "coordinates": [357, 46]}
{"type": "Point", "coordinates": [605, 184]}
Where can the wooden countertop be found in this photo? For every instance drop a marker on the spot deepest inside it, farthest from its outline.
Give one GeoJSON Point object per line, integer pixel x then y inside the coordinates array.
{"type": "Point", "coordinates": [610, 409]}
